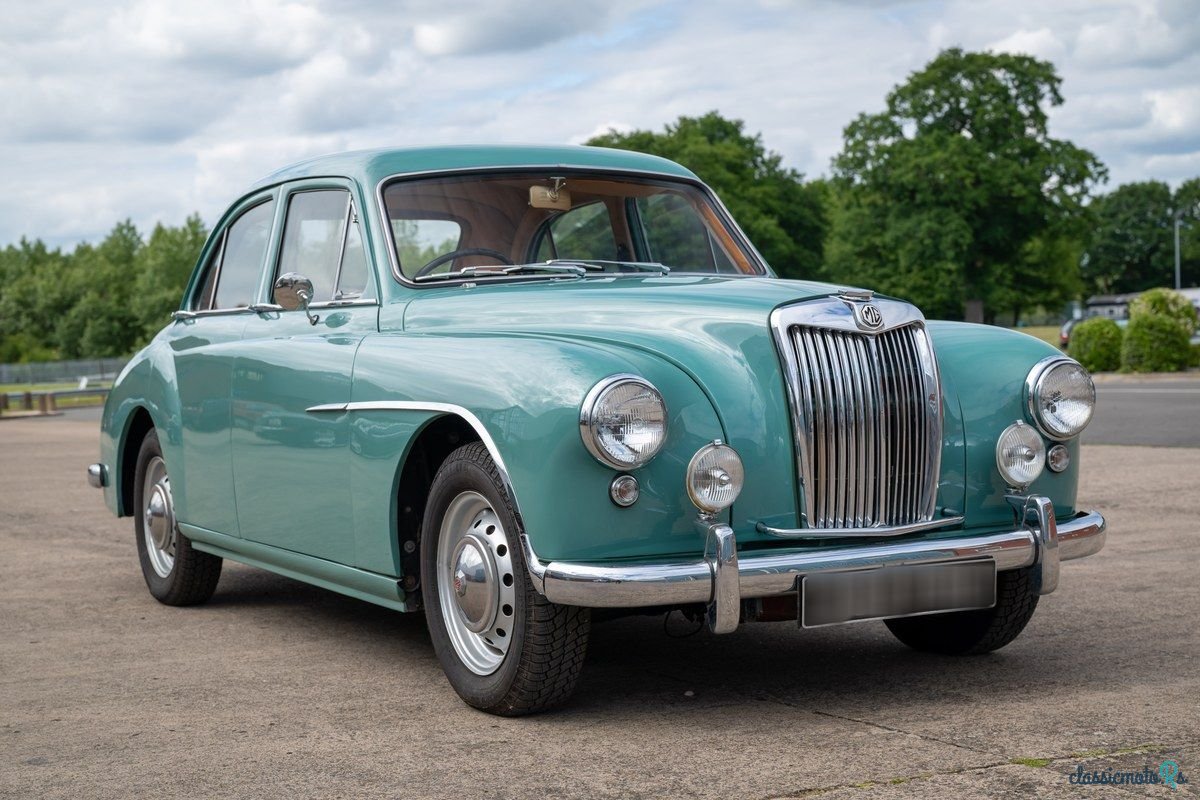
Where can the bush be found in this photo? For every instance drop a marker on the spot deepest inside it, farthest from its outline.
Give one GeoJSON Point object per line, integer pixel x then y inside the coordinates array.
{"type": "Point", "coordinates": [1096, 344]}
{"type": "Point", "coordinates": [1167, 303]}
{"type": "Point", "coordinates": [1154, 343]}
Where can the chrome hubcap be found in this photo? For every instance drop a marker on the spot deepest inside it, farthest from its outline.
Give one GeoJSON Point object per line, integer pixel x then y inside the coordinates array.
{"type": "Point", "coordinates": [476, 582]}
{"type": "Point", "coordinates": [158, 521]}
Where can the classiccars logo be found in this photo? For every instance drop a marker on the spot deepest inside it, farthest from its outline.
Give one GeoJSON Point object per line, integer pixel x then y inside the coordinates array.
{"type": "Point", "coordinates": [1168, 774]}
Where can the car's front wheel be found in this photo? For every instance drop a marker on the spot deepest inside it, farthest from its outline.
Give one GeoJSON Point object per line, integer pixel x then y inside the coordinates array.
{"type": "Point", "coordinates": [505, 649]}
{"type": "Point", "coordinates": [176, 573]}
{"type": "Point", "coordinates": [974, 632]}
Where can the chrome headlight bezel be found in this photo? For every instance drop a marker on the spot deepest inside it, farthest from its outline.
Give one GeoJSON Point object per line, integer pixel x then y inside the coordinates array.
{"type": "Point", "coordinates": [588, 430]}
{"type": "Point", "coordinates": [1034, 383]}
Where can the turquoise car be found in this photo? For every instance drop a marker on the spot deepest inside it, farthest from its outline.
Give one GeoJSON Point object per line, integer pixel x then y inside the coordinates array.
{"type": "Point", "coordinates": [508, 386]}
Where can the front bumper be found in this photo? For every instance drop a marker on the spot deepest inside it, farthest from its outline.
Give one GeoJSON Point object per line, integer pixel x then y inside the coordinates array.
{"type": "Point", "coordinates": [723, 578]}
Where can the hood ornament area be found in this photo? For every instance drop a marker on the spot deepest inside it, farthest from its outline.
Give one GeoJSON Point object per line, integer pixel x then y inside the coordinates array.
{"type": "Point", "coordinates": [867, 315]}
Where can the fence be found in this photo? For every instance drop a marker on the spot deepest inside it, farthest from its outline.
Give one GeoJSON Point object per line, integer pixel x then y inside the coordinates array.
{"type": "Point", "coordinates": [62, 371]}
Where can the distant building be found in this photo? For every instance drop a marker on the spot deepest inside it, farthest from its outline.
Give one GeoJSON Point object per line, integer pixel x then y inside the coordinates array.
{"type": "Point", "coordinates": [1116, 306]}
{"type": "Point", "coordinates": [1113, 306]}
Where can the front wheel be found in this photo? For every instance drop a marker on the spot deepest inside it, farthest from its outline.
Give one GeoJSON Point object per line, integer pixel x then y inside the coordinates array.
{"type": "Point", "coordinates": [974, 632]}
{"type": "Point", "coordinates": [505, 649]}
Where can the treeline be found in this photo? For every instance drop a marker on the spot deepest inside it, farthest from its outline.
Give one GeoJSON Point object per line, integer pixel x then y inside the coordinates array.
{"type": "Point", "coordinates": [954, 197]}
{"type": "Point", "coordinates": [97, 300]}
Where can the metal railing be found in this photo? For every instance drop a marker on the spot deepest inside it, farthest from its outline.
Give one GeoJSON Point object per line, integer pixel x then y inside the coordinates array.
{"type": "Point", "coordinates": [62, 371]}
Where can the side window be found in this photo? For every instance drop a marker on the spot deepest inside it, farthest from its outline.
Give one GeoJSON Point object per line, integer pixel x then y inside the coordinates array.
{"type": "Point", "coordinates": [583, 232]}
{"type": "Point", "coordinates": [676, 236]}
{"type": "Point", "coordinates": [313, 237]}
{"type": "Point", "coordinates": [204, 300]}
{"type": "Point", "coordinates": [241, 264]}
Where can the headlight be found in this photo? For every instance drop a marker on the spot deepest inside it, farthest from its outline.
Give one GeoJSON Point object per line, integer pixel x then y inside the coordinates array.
{"type": "Point", "coordinates": [1020, 455]}
{"type": "Point", "coordinates": [623, 421]}
{"type": "Point", "coordinates": [1061, 397]}
{"type": "Point", "coordinates": [715, 477]}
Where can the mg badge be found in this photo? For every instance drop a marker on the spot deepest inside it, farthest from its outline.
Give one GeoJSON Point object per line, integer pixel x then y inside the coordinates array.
{"type": "Point", "coordinates": [870, 317]}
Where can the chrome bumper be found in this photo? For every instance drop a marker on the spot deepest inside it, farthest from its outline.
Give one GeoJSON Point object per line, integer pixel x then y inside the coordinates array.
{"type": "Point", "coordinates": [724, 578]}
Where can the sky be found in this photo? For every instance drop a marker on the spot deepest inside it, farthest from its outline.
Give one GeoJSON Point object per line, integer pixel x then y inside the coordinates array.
{"type": "Point", "coordinates": [154, 110]}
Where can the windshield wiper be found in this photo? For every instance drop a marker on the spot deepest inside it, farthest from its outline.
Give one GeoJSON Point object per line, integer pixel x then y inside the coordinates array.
{"type": "Point", "coordinates": [565, 268]}
{"type": "Point", "coordinates": [600, 264]}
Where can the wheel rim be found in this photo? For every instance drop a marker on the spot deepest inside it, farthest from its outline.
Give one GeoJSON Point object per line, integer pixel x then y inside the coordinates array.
{"type": "Point", "coordinates": [158, 519]}
{"type": "Point", "coordinates": [476, 582]}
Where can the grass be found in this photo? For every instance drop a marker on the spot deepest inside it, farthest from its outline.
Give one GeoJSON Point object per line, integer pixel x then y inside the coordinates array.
{"type": "Point", "coordinates": [1047, 333]}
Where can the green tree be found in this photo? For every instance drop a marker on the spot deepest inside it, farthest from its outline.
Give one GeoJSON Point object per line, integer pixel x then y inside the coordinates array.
{"type": "Point", "coordinates": [162, 270]}
{"type": "Point", "coordinates": [1131, 248]}
{"type": "Point", "coordinates": [1187, 204]}
{"type": "Point", "coordinates": [781, 214]}
{"type": "Point", "coordinates": [955, 194]}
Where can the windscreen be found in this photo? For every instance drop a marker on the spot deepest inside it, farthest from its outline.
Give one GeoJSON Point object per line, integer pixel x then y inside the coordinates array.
{"type": "Point", "coordinates": [485, 223]}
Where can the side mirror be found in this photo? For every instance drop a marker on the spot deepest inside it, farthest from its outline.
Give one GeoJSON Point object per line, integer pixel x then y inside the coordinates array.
{"type": "Point", "coordinates": [294, 291]}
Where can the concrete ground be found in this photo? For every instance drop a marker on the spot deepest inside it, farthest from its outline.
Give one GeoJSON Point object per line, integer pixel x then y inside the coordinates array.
{"type": "Point", "coordinates": [276, 689]}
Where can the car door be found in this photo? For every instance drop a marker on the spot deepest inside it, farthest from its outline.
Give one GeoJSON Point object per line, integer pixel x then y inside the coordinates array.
{"type": "Point", "coordinates": [204, 339]}
{"type": "Point", "coordinates": [292, 466]}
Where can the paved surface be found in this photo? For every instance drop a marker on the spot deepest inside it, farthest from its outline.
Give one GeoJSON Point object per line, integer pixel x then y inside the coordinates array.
{"type": "Point", "coordinates": [276, 689]}
{"type": "Point", "coordinates": [1163, 411]}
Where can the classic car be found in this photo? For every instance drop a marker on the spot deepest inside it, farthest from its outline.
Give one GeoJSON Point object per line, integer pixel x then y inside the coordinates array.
{"type": "Point", "coordinates": [507, 386]}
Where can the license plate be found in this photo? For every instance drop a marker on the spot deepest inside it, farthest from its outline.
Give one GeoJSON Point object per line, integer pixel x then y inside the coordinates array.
{"type": "Point", "coordinates": [899, 591]}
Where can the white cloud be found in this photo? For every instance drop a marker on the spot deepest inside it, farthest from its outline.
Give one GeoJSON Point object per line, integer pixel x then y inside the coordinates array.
{"type": "Point", "coordinates": [151, 110]}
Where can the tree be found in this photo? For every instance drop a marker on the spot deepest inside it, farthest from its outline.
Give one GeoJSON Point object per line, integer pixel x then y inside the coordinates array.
{"type": "Point", "coordinates": [780, 213]}
{"type": "Point", "coordinates": [950, 194]}
{"type": "Point", "coordinates": [1187, 203]}
{"type": "Point", "coordinates": [1131, 248]}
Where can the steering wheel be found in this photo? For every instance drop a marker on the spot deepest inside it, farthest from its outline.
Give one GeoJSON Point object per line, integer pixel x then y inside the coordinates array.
{"type": "Point", "coordinates": [463, 251]}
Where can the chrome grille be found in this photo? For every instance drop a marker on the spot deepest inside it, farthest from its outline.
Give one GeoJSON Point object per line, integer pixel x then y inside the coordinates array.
{"type": "Point", "coordinates": [869, 426]}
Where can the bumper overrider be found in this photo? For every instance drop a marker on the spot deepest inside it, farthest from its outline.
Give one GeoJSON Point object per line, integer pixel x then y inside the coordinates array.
{"type": "Point", "coordinates": [722, 579]}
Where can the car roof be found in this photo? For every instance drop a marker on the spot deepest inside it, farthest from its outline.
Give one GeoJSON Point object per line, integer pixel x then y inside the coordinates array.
{"type": "Point", "coordinates": [371, 166]}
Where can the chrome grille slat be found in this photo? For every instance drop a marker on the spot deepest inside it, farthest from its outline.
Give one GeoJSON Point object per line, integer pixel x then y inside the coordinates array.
{"type": "Point", "coordinates": [870, 439]}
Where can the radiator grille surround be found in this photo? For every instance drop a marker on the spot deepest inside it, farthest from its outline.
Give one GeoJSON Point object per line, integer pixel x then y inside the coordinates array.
{"type": "Point", "coordinates": [867, 413]}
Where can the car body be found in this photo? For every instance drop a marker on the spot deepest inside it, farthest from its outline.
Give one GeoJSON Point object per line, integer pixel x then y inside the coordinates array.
{"type": "Point", "coordinates": [363, 378]}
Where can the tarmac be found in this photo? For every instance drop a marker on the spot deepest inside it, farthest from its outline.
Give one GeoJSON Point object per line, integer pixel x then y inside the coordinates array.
{"type": "Point", "coordinates": [278, 689]}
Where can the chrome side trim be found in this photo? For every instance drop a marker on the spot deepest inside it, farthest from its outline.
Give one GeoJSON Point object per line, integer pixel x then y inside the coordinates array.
{"type": "Point", "coordinates": [97, 476]}
{"type": "Point", "coordinates": [441, 408]}
{"type": "Point", "coordinates": [389, 238]}
{"type": "Point", "coordinates": [844, 533]}
{"type": "Point", "coordinates": [764, 573]}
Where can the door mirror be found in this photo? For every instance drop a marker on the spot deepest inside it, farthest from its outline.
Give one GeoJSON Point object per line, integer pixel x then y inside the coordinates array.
{"type": "Point", "coordinates": [294, 291]}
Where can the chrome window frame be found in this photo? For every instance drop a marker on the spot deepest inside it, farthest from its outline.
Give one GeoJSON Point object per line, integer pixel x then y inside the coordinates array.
{"type": "Point", "coordinates": [726, 218]}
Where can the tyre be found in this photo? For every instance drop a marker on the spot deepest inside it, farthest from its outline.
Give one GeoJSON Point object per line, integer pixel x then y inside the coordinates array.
{"type": "Point", "coordinates": [963, 633]}
{"type": "Point", "coordinates": [504, 648]}
{"type": "Point", "coordinates": [175, 572]}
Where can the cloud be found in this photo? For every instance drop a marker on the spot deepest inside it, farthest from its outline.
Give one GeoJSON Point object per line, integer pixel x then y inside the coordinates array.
{"type": "Point", "coordinates": [150, 110]}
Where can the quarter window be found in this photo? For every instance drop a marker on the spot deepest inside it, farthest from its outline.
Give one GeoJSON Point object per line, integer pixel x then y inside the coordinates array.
{"type": "Point", "coordinates": [676, 235]}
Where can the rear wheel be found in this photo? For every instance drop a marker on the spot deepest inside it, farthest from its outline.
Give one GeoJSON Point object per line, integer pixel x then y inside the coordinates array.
{"type": "Point", "coordinates": [175, 572]}
{"type": "Point", "coordinates": [974, 632]}
{"type": "Point", "coordinates": [505, 648]}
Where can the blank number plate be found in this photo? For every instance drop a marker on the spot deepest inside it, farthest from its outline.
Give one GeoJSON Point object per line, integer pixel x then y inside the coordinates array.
{"type": "Point", "coordinates": [835, 597]}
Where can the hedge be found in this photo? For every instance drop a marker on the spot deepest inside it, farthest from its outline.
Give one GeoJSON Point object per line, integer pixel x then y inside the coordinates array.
{"type": "Point", "coordinates": [1168, 303]}
{"type": "Point", "coordinates": [1154, 343]}
{"type": "Point", "coordinates": [1096, 344]}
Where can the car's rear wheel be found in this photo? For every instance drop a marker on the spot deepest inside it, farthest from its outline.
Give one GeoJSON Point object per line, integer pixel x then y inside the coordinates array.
{"type": "Point", "coordinates": [176, 573]}
{"type": "Point", "coordinates": [974, 632]}
{"type": "Point", "coordinates": [505, 648]}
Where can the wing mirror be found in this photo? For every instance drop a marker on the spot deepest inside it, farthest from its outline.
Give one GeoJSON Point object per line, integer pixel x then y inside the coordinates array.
{"type": "Point", "coordinates": [293, 291]}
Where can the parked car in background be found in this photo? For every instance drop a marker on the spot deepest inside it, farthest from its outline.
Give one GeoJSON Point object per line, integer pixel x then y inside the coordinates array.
{"type": "Point", "coordinates": [507, 385]}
